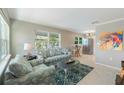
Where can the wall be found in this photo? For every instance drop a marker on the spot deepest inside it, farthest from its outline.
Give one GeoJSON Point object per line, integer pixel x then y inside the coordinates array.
{"type": "Point", "coordinates": [111, 57]}
{"type": "Point", "coordinates": [22, 32]}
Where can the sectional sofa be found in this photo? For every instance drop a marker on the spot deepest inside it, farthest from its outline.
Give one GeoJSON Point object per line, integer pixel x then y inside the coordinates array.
{"type": "Point", "coordinates": [39, 71]}
{"type": "Point", "coordinates": [53, 56]}
{"type": "Point", "coordinates": [20, 71]}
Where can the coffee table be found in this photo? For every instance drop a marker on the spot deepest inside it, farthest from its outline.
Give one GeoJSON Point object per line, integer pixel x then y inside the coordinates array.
{"type": "Point", "coordinates": [63, 70]}
{"type": "Point", "coordinates": [74, 63]}
{"type": "Point", "coordinates": [66, 65]}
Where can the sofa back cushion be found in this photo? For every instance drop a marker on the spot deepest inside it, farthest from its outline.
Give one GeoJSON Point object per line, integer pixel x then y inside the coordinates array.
{"type": "Point", "coordinates": [54, 52]}
{"type": "Point", "coordinates": [43, 52]}
{"type": "Point", "coordinates": [64, 51]}
{"type": "Point", "coordinates": [19, 67]}
{"type": "Point", "coordinates": [58, 51]}
{"type": "Point", "coordinates": [49, 52]}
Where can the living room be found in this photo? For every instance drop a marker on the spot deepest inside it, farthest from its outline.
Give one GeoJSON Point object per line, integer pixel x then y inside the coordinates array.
{"type": "Point", "coordinates": [61, 46]}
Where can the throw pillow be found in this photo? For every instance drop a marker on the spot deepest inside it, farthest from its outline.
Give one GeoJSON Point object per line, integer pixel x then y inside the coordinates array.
{"type": "Point", "coordinates": [52, 52]}
{"type": "Point", "coordinates": [19, 67]}
{"type": "Point", "coordinates": [64, 51]}
{"type": "Point", "coordinates": [36, 62]}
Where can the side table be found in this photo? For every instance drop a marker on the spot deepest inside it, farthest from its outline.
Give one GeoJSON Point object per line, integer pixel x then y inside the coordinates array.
{"type": "Point", "coordinates": [30, 57]}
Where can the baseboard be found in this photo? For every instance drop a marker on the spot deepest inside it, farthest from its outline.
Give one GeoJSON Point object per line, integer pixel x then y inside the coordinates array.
{"type": "Point", "coordinates": [108, 66]}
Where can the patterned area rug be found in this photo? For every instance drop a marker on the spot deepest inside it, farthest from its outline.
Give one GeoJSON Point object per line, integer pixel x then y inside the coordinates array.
{"type": "Point", "coordinates": [71, 76]}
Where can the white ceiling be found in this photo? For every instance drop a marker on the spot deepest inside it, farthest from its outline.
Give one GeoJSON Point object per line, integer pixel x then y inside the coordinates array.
{"type": "Point", "coordinates": [75, 19]}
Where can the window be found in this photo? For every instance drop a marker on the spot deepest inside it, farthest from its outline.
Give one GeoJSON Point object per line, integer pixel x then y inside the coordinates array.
{"type": "Point", "coordinates": [54, 39]}
{"type": "Point", "coordinates": [41, 40]}
{"type": "Point", "coordinates": [4, 38]}
{"type": "Point", "coordinates": [78, 40]}
{"type": "Point", "coordinates": [85, 42]}
{"type": "Point", "coordinates": [46, 39]}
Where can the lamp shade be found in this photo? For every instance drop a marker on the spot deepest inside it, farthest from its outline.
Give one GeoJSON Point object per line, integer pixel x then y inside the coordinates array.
{"type": "Point", "coordinates": [27, 46]}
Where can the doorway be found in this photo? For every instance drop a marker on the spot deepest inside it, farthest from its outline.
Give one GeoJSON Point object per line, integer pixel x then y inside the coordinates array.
{"type": "Point", "coordinates": [88, 44]}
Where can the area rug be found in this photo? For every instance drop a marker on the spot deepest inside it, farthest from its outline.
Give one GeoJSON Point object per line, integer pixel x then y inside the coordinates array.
{"type": "Point", "coordinates": [71, 76]}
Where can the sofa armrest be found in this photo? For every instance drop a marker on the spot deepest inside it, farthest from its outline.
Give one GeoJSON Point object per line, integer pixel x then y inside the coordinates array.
{"type": "Point", "coordinates": [38, 76]}
{"type": "Point", "coordinates": [9, 75]}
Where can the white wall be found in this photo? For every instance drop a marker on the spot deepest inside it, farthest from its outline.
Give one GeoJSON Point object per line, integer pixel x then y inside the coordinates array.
{"type": "Point", "coordinates": [22, 32]}
{"type": "Point", "coordinates": [110, 57]}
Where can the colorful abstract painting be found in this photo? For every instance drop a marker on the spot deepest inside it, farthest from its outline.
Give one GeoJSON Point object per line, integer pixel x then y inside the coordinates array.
{"type": "Point", "coordinates": [111, 40]}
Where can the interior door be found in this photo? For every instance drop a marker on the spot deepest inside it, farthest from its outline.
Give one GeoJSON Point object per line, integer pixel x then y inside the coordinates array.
{"type": "Point", "coordinates": [88, 46]}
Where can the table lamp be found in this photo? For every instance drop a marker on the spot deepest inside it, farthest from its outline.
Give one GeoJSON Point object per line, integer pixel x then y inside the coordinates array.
{"type": "Point", "coordinates": [28, 48]}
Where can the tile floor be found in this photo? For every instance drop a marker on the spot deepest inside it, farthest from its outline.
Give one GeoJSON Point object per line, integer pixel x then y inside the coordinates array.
{"type": "Point", "coordinates": [100, 75]}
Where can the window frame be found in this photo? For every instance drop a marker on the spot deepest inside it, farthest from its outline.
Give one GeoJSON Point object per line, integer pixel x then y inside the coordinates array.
{"type": "Point", "coordinates": [6, 38]}
{"type": "Point", "coordinates": [48, 34]}
{"type": "Point", "coordinates": [58, 35]}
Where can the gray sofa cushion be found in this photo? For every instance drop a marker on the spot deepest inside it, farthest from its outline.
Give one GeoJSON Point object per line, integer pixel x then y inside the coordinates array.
{"type": "Point", "coordinates": [36, 62]}
{"type": "Point", "coordinates": [64, 51]}
{"type": "Point", "coordinates": [55, 58]}
{"type": "Point", "coordinates": [9, 75]}
{"type": "Point", "coordinates": [42, 52]}
{"type": "Point", "coordinates": [51, 52]}
{"type": "Point", "coordinates": [19, 67]}
{"type": "Point", "coordinates": [37, 76]}
{"type": "Point", "coordinates": [46, 53]}
{"type": "Point", "coordinates": [58, 51]}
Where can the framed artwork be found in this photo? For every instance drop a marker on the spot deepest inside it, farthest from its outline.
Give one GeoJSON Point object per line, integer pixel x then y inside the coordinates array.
{"type": "Point", "coordinates": [110, 40]}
